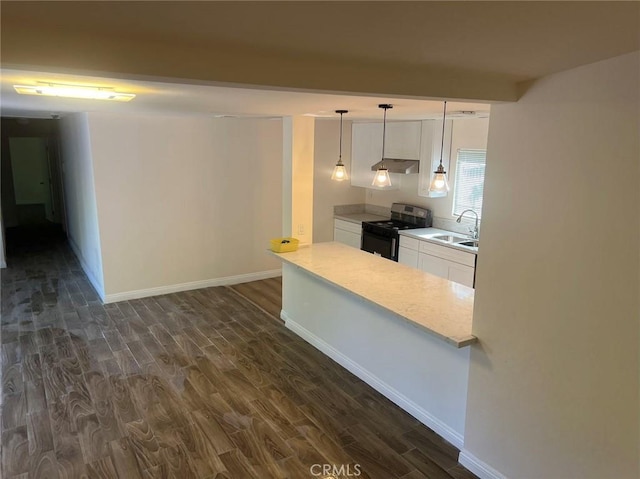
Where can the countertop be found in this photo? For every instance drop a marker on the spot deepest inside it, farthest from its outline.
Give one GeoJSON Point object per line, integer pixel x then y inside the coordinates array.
{"type": "Point", "coordinates": [360, 217]}
{"type": "Point", "coordinates": [438, 306]}
{"type": "Point", "coordinates": [425, 234]}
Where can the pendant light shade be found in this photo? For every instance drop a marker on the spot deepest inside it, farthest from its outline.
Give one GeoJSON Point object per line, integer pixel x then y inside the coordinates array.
{"type": "Point", "coordinates": [439, 183]}
{"type": "Point", "coordinates": [339, 171]}
{"type": "Point", "coordinates": [382, 178]}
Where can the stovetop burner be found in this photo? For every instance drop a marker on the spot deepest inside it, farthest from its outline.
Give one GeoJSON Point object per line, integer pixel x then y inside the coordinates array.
{"type": "Point", "coordinates": [394, 225]}
{"type": "Point", "coordinates": [403, 217]}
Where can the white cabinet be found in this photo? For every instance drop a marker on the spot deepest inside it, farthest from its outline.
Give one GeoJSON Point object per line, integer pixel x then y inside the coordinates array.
{"type": "Point", "coordinates": [408, 256]}
{"type": "Point", "coordinates": [444, 268]}
{"type": "Point", "coordinates": [408, 251]}
{"type": "Point", "coordinates": [449, 263]}
{"type": "Point", "coordinates": [347, 232]}
{"type": "Point", "coordinates": [461, 274]}
{"type": "Point", "coordinates": [402, 141]}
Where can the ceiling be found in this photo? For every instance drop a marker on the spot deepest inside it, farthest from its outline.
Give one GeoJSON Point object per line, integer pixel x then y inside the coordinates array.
{"type": "Point", "coordinates": [292, 58]}
{"type": "Point", "coordinates": [205, 100]}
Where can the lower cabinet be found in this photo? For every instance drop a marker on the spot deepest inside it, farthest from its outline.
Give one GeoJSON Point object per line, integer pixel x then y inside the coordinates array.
{"type": "Point", "coordinates": [449, 263]}
{"type": "Point", "coordinates": [407, 256]}
{"type": "Point", "coordinates": [455, 272]}
{"type": "Point", "coordinates": [347, 233]}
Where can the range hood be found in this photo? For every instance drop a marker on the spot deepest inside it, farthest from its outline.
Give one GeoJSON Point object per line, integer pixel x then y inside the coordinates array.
{"type": "Point", "coordinates": [404, 167]}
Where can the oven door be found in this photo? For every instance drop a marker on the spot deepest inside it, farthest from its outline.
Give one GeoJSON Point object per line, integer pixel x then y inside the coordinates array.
{"type": "Point", "coordinates": [379, 245]}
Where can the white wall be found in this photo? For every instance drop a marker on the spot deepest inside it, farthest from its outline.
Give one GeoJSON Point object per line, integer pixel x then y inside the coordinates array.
{"type": "Point", "coordinates": [80, 196]}
{"type": "Point", "coordinates": [470, 134]}
{"type": "Point", "coordinates": [184, 201]}
{"type": "Point", "coordinates": [302, 141]}
{"type": "Point", "coordinates": [554, 383]}
{"type": "Point", "coordinates": [326, 192]}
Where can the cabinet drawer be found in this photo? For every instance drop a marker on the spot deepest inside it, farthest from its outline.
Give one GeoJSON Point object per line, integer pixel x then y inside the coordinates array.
{"type": "Point", "coordinates": [410, 243]}
{"type": "Point", "coordinates": [347, 237]}
{"type": "Point", "coordinates": [348, 226]}
{"type": "Point", "coordinates": [460, 257]}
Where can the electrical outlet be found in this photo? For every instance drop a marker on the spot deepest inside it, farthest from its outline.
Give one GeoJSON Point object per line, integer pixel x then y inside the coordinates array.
{"type": "Point", "coordinates": [301, 229]}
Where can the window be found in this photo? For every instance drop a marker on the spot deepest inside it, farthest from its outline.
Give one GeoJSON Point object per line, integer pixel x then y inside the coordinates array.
{"type": "Point", "coordinates": [469, 182]}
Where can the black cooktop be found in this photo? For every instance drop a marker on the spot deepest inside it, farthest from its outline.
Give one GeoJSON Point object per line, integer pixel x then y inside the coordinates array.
{"type": "Point", "coordinates": [403, 217]}
{"type": "Point", "coordinates": [393, 225]}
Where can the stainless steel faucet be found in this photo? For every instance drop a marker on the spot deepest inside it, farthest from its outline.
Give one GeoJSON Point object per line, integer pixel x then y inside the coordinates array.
{"type": "Point", "coordinates": [474, 233]}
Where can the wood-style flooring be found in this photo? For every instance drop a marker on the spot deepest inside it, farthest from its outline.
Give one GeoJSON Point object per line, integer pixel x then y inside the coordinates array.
{"type": "Point", "coordinates": [200, 384]}
{"type": "Point", "coordinates": [266, 294]}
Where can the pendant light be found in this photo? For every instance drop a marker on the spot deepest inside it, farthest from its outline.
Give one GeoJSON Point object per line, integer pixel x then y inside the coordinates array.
{"type": "Point", "coordinates": [339, 171]}
{"type": "Point", "coordinates": [382, 177]}
{"type": "Point", "coordinates": [439, 182]}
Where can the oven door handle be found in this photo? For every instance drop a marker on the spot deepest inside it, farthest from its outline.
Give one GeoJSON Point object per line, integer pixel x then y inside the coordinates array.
{"type": "Point", "coordinates": [393, 249]}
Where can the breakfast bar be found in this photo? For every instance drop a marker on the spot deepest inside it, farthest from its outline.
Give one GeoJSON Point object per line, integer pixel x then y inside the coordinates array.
{"type": "Point", "coordinates": [403, 331]}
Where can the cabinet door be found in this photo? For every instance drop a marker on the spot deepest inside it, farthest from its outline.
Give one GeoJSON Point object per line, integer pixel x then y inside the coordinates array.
{"type": "Point", "coordinates": [403, 140]}
{"type": "Point", "coordinates": [436, 266]}
{"type": "Point", "coordinates": [408, 256]}
{"type": "Point", "coordinates": [347, 237]}
{"type": "Point", "coordinates": [366, 150]}
{"type": "Point", "coordinates": [459, 273]}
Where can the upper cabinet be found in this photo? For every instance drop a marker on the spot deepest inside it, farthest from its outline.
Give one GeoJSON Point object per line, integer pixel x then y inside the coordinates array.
{"type": "Point", "coordinates": [403, 140]}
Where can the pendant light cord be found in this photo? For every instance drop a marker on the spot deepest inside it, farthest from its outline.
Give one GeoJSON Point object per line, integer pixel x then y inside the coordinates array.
{"type": "Point", "coordinates": [340, 157]}
{"type": "Point", "coordinates": [384, 133]}
{"type": "Point", "coordinates": [444, 115]}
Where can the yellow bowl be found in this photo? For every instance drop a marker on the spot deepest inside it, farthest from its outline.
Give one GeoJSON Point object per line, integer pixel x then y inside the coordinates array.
{"type": "Point", "coordinates": [284, 245]}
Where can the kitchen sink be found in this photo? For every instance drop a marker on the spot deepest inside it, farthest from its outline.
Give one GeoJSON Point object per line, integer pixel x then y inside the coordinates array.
{"type": "Point", "coordinates": [456, 240]}
{"type": "Point", "coordinates": [449, 238]}
{"type": "Point", "coordinates": [470, 243]}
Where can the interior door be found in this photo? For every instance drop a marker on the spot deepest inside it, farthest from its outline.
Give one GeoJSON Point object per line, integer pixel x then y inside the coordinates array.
{"type": "Point", "coordinates": [30, 170]}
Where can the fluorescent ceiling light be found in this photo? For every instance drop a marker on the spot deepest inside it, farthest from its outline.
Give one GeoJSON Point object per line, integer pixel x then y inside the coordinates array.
{"type": "Point", "coordinates": [73, 91]}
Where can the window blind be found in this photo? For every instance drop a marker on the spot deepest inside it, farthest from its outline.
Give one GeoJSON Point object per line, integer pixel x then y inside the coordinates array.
{"type": "Point", "coordinates": [469, 181]}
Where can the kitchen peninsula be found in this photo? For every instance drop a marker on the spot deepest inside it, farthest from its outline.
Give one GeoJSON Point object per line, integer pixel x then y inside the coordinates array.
{"type": "Point", "coordinates": [401, 330]}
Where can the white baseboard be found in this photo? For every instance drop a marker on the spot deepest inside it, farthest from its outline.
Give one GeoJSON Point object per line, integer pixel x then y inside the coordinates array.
{"type": "Point", "coordinates": [83, 264]}
{"type": "Point", "coordinates": [175, 288]}
{"type": "Point", "coordinates": [383, 388]}
{"type": "Point", "coordinates": [479, 468]}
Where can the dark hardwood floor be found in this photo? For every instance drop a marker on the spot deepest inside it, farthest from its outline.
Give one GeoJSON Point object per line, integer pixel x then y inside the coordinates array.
{"type": "Point", "coordinates": [200, 384]}
{"type": "Point", "coordinates": [266, 294]}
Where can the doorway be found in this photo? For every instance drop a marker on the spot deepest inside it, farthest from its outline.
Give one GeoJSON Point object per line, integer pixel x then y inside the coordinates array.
{"type": "Point", "coordinates": [32, 194]}
{"type": "Point", "coordinates": [32, 182]}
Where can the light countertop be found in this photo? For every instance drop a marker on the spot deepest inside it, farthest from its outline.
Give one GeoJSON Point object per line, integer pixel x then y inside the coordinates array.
{"type": "Point", "coordinates": [360, 217]}
{"type": "Point", "coordinates": [425, 234]}
{"type": "Point", "coordinates": [438, 306]}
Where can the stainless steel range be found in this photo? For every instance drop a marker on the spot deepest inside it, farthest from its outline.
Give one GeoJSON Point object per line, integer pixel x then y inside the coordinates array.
{"type": "Point", "coordinates": [382, 237]}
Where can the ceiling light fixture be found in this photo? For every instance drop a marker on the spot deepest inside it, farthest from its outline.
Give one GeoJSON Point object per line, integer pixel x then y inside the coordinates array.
{"type": "Point", "coordinates": [339, 171]}
{"type": "Point", "coordinates": [73, 91]}
{"type": "Point", "coordinates": [382, 178]}
{"type": "Point", "coordinates": [439, 182]}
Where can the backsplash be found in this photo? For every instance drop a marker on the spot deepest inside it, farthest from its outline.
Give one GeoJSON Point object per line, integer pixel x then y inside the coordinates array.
{"type": "Point", "coordinates": [448, 224]}
{"type": "Point", "coordinates": [362, 208]}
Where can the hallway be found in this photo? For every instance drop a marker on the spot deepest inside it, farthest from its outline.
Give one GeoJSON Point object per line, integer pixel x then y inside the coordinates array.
{"type": "Point", "coordinates": [197, 384]}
